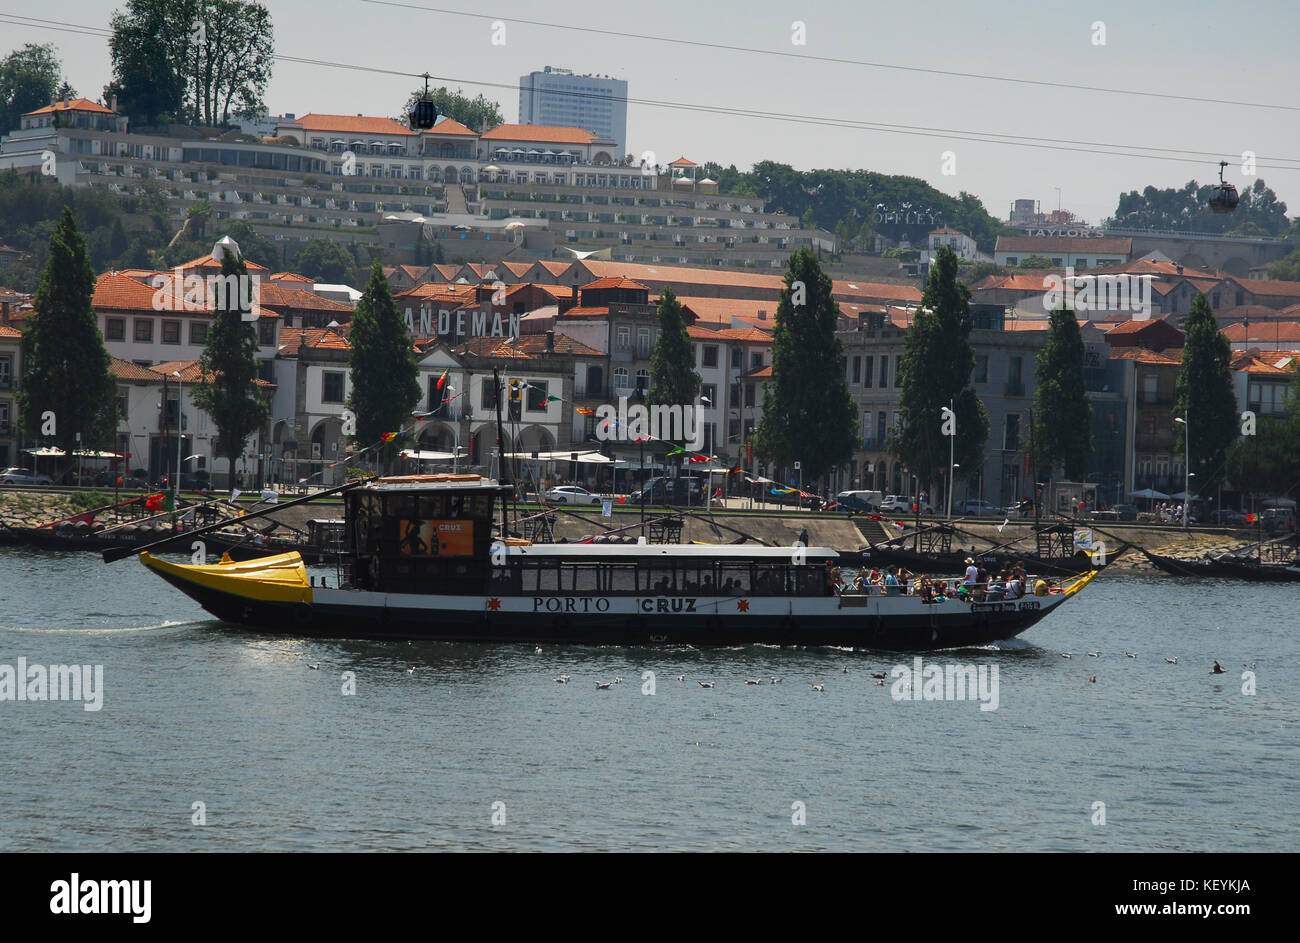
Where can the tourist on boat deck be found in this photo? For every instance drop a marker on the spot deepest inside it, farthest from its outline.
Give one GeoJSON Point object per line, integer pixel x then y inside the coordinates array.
{"type": "Point", "coordinates": [875, 584]}
{"type": "Point", "coordinates": [891, 583]}
{"type": "Point", "coordinates": [972, 573]}
{"type": "Point", "coordinates": [859, 584]}
{"type": "Point", "coordinates": [836, 582]}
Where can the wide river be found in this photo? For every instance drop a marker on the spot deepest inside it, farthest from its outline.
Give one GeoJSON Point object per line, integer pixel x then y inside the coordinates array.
{"type": "Point", "coordinates": [217, 739]}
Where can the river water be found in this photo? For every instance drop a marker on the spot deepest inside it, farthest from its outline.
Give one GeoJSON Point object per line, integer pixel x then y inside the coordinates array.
{"type": "Point", "coordinates": [218, 739]}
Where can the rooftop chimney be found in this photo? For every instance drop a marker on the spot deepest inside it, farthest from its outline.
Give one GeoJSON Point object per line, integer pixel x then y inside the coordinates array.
{"type": "Point", "coordinates": [575, 294]}
{"type": "Point", "coordinates": [113, 103]}
{"type": "Point", "coordinates": [550, 342]}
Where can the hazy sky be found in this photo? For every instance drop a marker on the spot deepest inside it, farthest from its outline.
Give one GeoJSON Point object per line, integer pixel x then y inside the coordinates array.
{"type": "Point", "coordinates": [1240, 52]}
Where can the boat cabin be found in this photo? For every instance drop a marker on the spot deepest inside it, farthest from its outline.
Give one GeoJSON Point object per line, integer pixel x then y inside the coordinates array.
{"type": "Point", "coordinates": [432, 534]}
{"type": "Point", "coordinates": [422, 533]}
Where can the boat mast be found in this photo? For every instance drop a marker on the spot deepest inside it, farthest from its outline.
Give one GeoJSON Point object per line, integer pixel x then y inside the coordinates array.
{"type": "Point", "coordinates": [501, 453]}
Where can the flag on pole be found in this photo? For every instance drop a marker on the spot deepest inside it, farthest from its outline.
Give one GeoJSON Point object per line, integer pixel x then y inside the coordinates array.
{"type": "Point", "coordinates": [235, 493]}
{"type": "Point", "coordinates": [1003, 524]}
{"type": "Point", "coordinates": [271, 496]}
{"type": "Point", "coordinates": [552, 399]}
{"type": "Point", "coordinates": [442, 379]}
{"type": "Point", "coordinates": [582, 411]}
{"type": "Point", "coordinates": [388, 436]}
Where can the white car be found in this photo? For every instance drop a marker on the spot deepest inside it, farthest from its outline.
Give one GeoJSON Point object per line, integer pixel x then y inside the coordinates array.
{"type": "Point", "coordinates": [572, 494]}
{"type": "Point", "coordinates": [902, 504]}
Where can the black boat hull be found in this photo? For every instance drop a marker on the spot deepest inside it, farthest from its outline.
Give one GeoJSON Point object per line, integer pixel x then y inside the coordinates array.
{"type": "Point", "coordinates": [860, 623]}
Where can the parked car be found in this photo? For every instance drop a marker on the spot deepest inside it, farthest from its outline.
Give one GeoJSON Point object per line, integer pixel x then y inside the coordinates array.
{"type": "Point", "coordinates": [1278, 520]}
{"type": "Point", "coordinates": [107, 479]}
{"type": "Point", "coordinates": [24, 476]}
{"type": "Point", "coordinates": [902, 504]}
{"type": "Point", "coordinates": [1024, 508]}
{"type": "Point", "coordinates": [686, 490]}
{"type": "Point", "coordinates": [572, 494]}
{"type": "Point", "coordinates": [1126, 512]}
{"type": "Point", "coordinates": [1226, 517]}
{"type": "Point", "coordinates": [196, 482]}
{"type": "Point", "coordinates": [973, 507]}
{"type": "Point", "coordinates": [851, 502]}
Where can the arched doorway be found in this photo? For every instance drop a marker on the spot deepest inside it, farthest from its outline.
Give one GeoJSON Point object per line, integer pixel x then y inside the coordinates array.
{"type": "Point", "coordinates": [328, 447]}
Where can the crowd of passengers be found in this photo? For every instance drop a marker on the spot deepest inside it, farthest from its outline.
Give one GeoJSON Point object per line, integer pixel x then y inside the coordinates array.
{"type": "Point", "coordinates": [977, 585]}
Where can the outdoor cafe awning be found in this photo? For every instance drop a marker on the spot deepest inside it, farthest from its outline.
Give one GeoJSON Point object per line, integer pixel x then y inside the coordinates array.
{"type": "Point", "coordinates": [427, 456]}
{"type": "Point", "coordinates": [586, 458]}
{"type": "Point", "coordinates": [51, 452]}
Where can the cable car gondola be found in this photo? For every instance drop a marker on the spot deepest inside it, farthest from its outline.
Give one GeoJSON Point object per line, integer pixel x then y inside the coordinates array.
{"type": "Point", "coordinates": [425, 114]}
{"type": "Point", "coordinates": [1223, 198]}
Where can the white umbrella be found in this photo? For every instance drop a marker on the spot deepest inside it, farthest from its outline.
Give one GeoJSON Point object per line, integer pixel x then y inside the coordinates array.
{"type": "Point", "coordinates": [1149, 493]}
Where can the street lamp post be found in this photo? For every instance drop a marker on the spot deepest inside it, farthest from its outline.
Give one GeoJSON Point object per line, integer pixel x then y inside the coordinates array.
{"type": "Point", "coordinates": [1187, 466]}
{"type": "Point", "coordinates": [949, 428]}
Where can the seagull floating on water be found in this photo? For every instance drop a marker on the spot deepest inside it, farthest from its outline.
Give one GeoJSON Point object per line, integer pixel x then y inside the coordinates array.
{"type": "Point", "coordinates": [1250, 667]}
{"type": "Point", "coordinates": [314, 667]}
{"type": "Point", "coordinates": [538, 650]}
{"type": "Point", "coordinates": [877, 675]}
{"type": "Point", "coordinates": [618, 679]}
{"type": "Point", "coordinates": [1218, 669]}
{"type": "Point", "coordinates": [1093, 654]}
{"type": "Point", "coordinates": [1093, 679]}
{"type": "Point", "coordinates": [604, 685]}
{"type": "Point", "coordinates": [819, 687]}
{"type": "Point", "coordinates": [1067, 655]}
{"type": "Point", "coordinates": [410, 670]}
{"type": "Point", "coordinates": [1131, 654]}
{"type": "Point", "coordinates": [681, 677]}
{"type": "Point", "coordinates": [753, 681]}
{"type": "Point", "coordinates": [562, 679]}
{"type": "Point", "coordinates": [1172, 661]}
{"type": "Point", "coordinates": [775, 679]}
{"type": "Point", "coordinates": [705, 684]}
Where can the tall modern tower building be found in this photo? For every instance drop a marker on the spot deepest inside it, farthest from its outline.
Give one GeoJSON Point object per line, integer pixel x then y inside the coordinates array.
{"type": "Point", "coordinates": [557, 97]}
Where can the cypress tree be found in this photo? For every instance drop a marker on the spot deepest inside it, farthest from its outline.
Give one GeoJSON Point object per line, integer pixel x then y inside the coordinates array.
{"type": "Point", "coordinates": [936, 368]}
{"type": "Point", "coordinates": [673, 380]}
{"type": "Point", "coordinates": [228, 392]}
{"type": "Point", "coordinates": [808, 414]}
{"type": "Point", "coordinates": [1063, 415]}
{"type": "Point", "coordinates": [68, 386]}
{"type": "Point", "coordinates": [1205, 397]}
{"type": "Point", "coordinates": [385, 376]}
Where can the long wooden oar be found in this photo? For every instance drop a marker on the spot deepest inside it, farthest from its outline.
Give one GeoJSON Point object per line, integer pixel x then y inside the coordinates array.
{"type": "Point", "coordinates": [113, 554]}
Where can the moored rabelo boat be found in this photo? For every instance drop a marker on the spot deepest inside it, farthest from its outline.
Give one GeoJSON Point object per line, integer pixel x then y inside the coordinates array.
{"type": "Point", "coordinates": [421, 562]}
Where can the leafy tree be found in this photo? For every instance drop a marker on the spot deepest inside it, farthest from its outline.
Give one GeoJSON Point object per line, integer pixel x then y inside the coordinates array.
{"type": "Point", "coordinates": [673, 380]}
{"type": "Point", "coordinates": [67, 370]}
{"type": "Point", "coordinates": [1267, 462]}
{"type": "Point", "coordinates": [808, 413]}
{"type": "Point", "coordinates": [1205, 396]}
{"type": "Point", "coordinates": [149, 44]}
{"type": "Point", "coordinates": [29, 78]}
{"type": "Point", "coordinates": [477, 114]}
{"type": "Point", "coordinates": [982, 270]}
{"type": "Point", "coordinates": [1187, 208]}
{"type": "Point", "coordinates": [936, 370]}
{"type": "Point", "coordinates": [1286, 269]}
{"type": "Point", "coordinates": [1035, 262]}
{"type": "Point", "coordinates": [195, 60]}
{"type": "Point", "coordinates": [326, 261]}
{"type": "Point", "coordinates": [1063, 415]}
{"type": "Point", "coordinates": [385, 376]}
{"type": "Point", "coordinates": [229, 392]}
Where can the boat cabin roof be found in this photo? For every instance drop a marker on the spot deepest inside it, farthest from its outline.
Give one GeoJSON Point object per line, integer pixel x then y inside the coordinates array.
{"type": "Point", "coordinates": [675, 551]}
